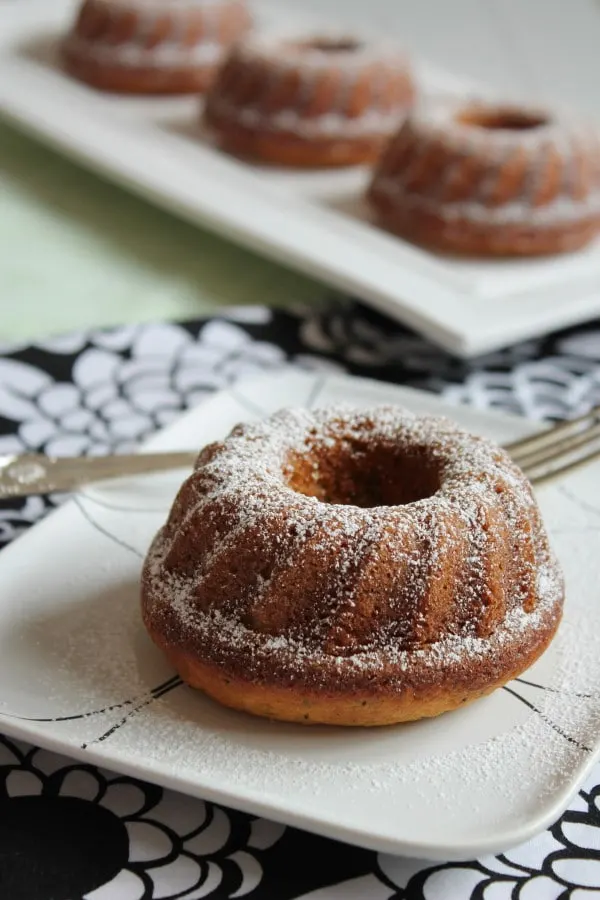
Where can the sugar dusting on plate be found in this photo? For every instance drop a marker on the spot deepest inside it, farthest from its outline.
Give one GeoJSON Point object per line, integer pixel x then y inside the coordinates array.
{"type": "Point", "coordinates": [529, 759]}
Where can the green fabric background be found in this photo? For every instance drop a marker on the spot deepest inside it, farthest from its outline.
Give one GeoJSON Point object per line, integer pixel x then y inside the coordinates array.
{"type": "Point", "coordinates": [76, 251]}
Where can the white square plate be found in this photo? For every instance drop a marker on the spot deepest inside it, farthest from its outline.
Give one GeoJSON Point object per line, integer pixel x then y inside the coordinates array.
{"type": "Point", "coordinates": [316, 222]}
{"type": "Point", "coordinates": [80, 676]}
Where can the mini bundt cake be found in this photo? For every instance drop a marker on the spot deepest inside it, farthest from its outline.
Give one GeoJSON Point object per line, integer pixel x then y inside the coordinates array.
{"type": "Point", "coordinates": [488, 180]}
{"type": "Point", "coordinates": [309, 103]}
{"type": "Point", "coordinates": [153, 46]}
{"type": "Point", "coordinates": [352, 568]}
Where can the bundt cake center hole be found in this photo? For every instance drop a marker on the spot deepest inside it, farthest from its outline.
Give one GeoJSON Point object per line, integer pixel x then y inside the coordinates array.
{"type": "Point", "coordinates": [361, 475]}
{"type": "Point", "coordinates": [503, 119]}
{"type": "Point", "coordinates": [332, 45]}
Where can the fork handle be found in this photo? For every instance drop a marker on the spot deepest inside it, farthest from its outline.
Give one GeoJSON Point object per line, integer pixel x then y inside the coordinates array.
{"type": "Point", "coordinates": [33, 473]}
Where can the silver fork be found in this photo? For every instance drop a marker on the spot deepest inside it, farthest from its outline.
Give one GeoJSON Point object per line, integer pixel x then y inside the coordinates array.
{"type": "Point", "coordinates": [33, 473]}
{"type": "Point", "coordinates": [544, 456]}
{"type": "Point", "coordinates": [559, 450]}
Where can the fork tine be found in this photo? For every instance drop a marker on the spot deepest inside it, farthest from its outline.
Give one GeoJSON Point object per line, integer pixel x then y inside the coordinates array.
{"type": "Point", "coordinates": [560, 466]}
{"type": "Point", "coordinates": [525, 446]}
{"type": "Point", "coordinates": [556, 450]}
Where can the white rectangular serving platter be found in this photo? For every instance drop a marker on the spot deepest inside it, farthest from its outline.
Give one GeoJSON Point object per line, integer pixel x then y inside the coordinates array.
{"type": "Point", "coordinates": [79, 675]}
{"type": "Point", "coordinates": [316, 222]}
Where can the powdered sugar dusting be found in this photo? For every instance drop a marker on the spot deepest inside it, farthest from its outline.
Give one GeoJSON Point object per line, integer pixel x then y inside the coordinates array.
{"type": "Point", "coordinates": [291, 77]}
{"type": "Point", "coordinates": [152, 35]}
{"type": "Point", "coordinates": [329, 124]}
{"type": "Point", "coordinates": [498, 176]}
{"type": "Point", "coordinates": [287, 50]}
{"type": "Point", "coordinates": [165, 54]}
{"type": "Point", "coordinates": [563, 210]}
{"type": "Point", "coordinates": [529, 759]}
{"type": "Point", "coordinates": [243, 484]}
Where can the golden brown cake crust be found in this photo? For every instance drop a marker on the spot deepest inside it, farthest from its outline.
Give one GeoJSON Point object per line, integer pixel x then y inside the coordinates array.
{"type": "Point", "coordinates": [490, 181]}
{"type": "Point", "coordinates": [139, 81]}
{"type": "Point", "coordinates": [309, 103]}
{"type": "Point", "coordinates": [352, 568]}
{"type": "Point", "coordinates": [365, 708]}
{"type": "Point", "coordinates": [143, 46]}
{"type": "Point", "coordinates": [293, 151]}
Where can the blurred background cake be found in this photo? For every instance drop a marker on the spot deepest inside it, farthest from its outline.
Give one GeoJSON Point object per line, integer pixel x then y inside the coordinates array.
{"type": "Point", "coordinates": [315, 101]}
{"type": "Point", "coordinates": [486, 179]}
{"type": "Point", "coordinates": [148, 46]}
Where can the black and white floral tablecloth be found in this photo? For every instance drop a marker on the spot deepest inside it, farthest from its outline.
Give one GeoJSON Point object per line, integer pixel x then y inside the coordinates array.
{"type": "Point", "coordinates": [71, 831]}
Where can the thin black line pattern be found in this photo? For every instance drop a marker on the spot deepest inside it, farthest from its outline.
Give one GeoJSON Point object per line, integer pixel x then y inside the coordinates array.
{"type": "Point", "coordinates": [583, 505]}
{"type": "Point", "coordinates": [135, 703]}
{"type": "Point", "coordinates": [552, 690]}
{"type": "Point", "coordinates": [315, 392]}
{"type": "Point", "coordinates": [506, 364]}
{"type": "Point", "coordinates": [175, 681]}
{"type": "Point", "coordinates": [83, 495]}
{"type": "Point", "coordinates": [101, 530]}
{"type": "Point", "coordinates": [161, 690]}
{"type": "Point", "coordinates": [557, 728]}
{"type": "Point", "coordinates": [313, 396]}
{"type": "Point", "coordinates": [157, 693]}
